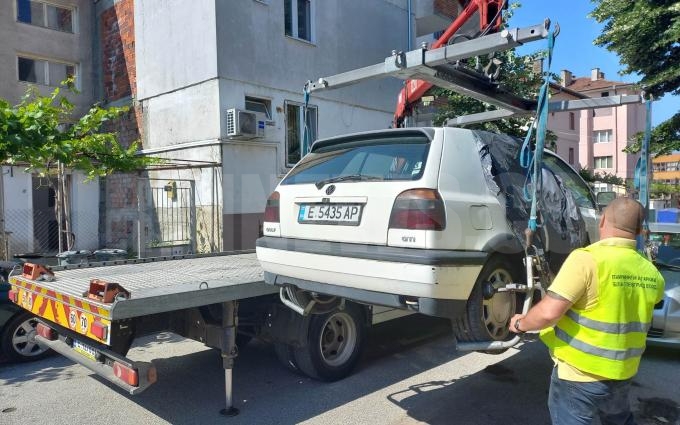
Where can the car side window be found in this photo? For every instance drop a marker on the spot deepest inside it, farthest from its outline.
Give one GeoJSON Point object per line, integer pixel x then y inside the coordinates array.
{"type": "Point", "coordinates": [579, 189]}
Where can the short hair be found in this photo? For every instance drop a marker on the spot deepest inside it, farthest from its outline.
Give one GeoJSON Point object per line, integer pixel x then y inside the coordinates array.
{"type": "Point", "coordinates": [625, 214]}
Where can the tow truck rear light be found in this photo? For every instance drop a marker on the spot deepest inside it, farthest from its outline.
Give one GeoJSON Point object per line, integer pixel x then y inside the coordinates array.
{"type": "Point", "coordinates": [418, 209]}
{"type": "Point", "coordinates": [126, 374]}
{"type": "Point", "coordinates": [99, 330]}
{"type": "Point", "coordinates": [271, 211]}
{"type": "Point", "coordinates": [46, 332]}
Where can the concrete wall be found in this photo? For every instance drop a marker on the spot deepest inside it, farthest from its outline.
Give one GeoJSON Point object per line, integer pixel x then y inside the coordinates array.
{"type": "Point", "coordinates": [18, 209]}
{"type": "Point", "coordinates": [19, 38]}
{"type": "Point", "coordinates": [196, 60]}
{"type": "Point", "coordinates": [85, 211]}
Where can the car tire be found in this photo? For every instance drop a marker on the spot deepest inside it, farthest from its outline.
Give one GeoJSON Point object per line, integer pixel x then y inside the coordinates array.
{"type": "Point", "coordinates": [487, 319]}
{"type": "Point", "coordinates": [17, 340]}
{"type": "Point", "coordinates": [334, 344]}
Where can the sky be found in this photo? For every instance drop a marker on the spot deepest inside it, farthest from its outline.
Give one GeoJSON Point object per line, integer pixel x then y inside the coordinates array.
{"type": "Point", "coordinates": [574, 49]}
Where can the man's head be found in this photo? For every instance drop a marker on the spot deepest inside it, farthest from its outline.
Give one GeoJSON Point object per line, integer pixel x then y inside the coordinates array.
{"type": "Point", "coordinates": [622, 219]}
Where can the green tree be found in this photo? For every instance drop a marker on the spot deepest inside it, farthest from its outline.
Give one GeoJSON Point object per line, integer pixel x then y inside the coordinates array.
{"type": "Point", "coordinates": [41, 132]}
{"type": "Point", "coordinates": [645, 34]}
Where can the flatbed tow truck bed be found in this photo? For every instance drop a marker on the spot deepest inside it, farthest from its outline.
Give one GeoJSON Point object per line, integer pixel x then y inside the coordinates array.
{"type": "Point", "coordinates": [196, 296]}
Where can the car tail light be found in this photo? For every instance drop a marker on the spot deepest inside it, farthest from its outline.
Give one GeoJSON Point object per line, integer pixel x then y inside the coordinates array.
{"type": "Point", "coordinates": [126, 374]}
{"type": "Point", "coordinates": [45, 332]}
{"type": "Point", "coordinates": [418, 209]}
{"type": "Point", "coordinates": [271, 211]}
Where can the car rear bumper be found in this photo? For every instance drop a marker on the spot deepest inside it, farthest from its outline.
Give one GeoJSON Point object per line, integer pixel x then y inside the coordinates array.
{"type": "Point", "coordinates": [436, 283]}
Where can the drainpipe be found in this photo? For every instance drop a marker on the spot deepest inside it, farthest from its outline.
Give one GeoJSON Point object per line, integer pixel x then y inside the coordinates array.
{"type": "Point", "coordinates": [410, 30]}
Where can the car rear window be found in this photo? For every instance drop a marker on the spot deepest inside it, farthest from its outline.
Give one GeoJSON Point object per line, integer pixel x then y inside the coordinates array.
{"type": "Point", "coordinates": [376, 159]}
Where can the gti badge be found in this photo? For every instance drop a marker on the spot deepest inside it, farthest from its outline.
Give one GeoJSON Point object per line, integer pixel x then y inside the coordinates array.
{"type": "Point", "coordinates": [330, 189]}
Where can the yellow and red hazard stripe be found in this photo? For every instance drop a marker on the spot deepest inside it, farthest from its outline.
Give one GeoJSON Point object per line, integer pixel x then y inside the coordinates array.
{"type": "Point", "coordinates": [74, 313]}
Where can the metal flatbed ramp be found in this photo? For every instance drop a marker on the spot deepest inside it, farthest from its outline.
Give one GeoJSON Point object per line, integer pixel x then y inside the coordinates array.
{"type": "Point", "coordinates": [168, 285]}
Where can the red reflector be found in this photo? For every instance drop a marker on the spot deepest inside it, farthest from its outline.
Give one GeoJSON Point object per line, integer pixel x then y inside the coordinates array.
{"type": "Point", "coordinates": [99, 330]}
{"type": "Point", "coordinates": [271, 211]}
{"type": "Point", "coordinates": [13, 295]}
{"type": "Point", "coordinates": [126, 374]}
{"type": "Point", "coordinates": [418, 209]}
{"type": "Point", "coordinates": [46, 332]}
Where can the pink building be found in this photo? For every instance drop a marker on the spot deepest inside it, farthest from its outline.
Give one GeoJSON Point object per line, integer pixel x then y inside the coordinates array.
{"type": "Point", "coordinates": [595, 138]}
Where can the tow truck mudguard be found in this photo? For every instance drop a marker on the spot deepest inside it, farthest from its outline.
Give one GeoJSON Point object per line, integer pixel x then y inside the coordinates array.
{"type": "Point", "coordinates": [132, 376]}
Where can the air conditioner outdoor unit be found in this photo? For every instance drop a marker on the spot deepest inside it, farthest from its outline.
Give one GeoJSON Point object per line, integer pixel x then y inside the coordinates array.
{"type": "Point", "coordinates": [244, 125]}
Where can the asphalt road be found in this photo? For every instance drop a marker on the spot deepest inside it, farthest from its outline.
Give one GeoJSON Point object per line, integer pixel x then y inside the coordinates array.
{"type": "Point", "coordinates": [402, 379]}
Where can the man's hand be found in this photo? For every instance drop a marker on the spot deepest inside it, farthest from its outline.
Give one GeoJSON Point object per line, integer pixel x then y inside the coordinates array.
{"type": "Point", "coordinates": [513, 320]}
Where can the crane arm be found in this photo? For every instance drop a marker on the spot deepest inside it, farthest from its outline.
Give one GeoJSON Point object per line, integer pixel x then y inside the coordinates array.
{"type": "Point", "coordinates": [490, 20]}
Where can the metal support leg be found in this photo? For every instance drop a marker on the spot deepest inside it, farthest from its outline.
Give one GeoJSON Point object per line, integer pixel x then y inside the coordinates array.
{"type": "Point", "coordinates": [229, 353]}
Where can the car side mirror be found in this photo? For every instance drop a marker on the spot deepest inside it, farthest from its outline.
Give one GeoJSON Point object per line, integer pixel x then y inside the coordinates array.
{"type": "Point", "coordinates": [604, 198]}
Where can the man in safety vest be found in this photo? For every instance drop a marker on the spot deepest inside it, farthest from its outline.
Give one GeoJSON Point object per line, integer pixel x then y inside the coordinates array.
{"type": "Point", "coordinates": [594, 320]}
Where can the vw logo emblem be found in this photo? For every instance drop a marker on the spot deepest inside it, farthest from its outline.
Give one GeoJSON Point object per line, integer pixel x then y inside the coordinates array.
{"type": "Point", "coordinates": [330, 189]}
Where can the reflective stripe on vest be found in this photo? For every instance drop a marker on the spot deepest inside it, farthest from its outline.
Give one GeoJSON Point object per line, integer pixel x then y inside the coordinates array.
{"type": "Point", "coordinates": [597, 351]}
{"type": "Point", "coordinates": [610, 328]}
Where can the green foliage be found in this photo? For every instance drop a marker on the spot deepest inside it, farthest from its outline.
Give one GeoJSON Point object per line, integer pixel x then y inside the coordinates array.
{"type": "Point", "coordinates": [608, 178]}
{"type": "Point", "coordinates": [658, 189]}
{"type": "Point", "coordinates": [41, 131]}
{"type": "Point", "coordinates": [646, 37]}
{"type": "Point", "coordinates": [644, 34]}
{"type": "Point", "coordinates": [665, 138]}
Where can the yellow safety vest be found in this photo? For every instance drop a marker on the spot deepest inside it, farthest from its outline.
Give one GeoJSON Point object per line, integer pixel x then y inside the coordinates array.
{"type": "Point", "coordinates": [608, 339]}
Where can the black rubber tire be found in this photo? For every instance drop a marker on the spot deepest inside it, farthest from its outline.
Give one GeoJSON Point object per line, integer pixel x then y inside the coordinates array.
{"type": "Point", "coordinates": [480, 322]}
{"type": "Point", "coordinates": [22, 351]}
{"type": "Point", "coordinates": [335, 342]}
{"type": "Point", "coordinates": [286, 356]}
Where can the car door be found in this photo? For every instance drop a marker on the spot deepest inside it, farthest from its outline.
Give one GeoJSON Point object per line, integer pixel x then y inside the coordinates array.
{"type": "Point", "coordinates": [581, 191]}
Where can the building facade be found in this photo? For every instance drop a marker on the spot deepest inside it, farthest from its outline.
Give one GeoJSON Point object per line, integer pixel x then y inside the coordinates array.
{"type": "Point", "coordinates": [43, 43]}
{"type": "Point", "coordinates": [595, 138]}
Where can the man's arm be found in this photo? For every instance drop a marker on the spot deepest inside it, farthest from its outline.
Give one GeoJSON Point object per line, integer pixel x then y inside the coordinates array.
{"type": "Point", "coordinates": [544, 314]}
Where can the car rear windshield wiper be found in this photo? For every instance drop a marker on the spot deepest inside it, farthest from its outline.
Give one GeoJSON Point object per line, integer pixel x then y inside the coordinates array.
{"type": "Point", "coordinates": [349, 177]}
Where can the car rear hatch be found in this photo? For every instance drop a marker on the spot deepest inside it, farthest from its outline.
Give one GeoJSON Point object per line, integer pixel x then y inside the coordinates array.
{"type": "Point", "coordinates": [344, 190]}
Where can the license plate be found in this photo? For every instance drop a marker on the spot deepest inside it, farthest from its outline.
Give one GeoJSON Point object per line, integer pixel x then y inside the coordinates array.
{"type": "Point", "coordinates": [338, 214]}
{"type": "Point", "coordinates": [85, 350]}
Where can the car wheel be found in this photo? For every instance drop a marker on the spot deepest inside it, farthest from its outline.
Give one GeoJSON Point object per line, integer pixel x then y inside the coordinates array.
{"type": "Point", "coordinates": [334, 345]}
{"type": "Point", "coordinates": [18, 339]}
{"type": "Point", "coordinates": [486, 319]}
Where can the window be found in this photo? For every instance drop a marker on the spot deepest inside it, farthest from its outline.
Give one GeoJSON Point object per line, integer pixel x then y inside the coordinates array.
{"type": "Point", "coordinates": [603, 162]}
{"type": "Point", "coordinates": [571, 156]}
{"type": "Point", "coordinates": [40, 71]}
{"type": "Point", "coordinates": [605, 93]}
{"type": "Point", "coordinates": [298, 19]}
{"type": "Point", "coordinates": [45, 15]}
{"type": "Point", "coordinates": [572, 121]}
{"type": "Point", "coordinates": [382, 158]}
{"type": "Point", "coordinates": [259, 105]}
{"type": "Point", "coordinates": [578, 188]}
{"type": "Point", "coordinates": [295, 127]}
{"type": "Point", "coordinates": [602, 136]}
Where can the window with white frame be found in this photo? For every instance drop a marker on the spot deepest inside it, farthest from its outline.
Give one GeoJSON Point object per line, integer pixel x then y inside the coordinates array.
{"type": "Point", "coordinates": [603, 136]}
{"type": "Point", "coordinates": [298, 19]}
{"type": "Point", "coordinates": [603, 162]}
{"type": "Point", "coordinates": [45, 15]}
{"type": "Point", "coordinates": [295, 128]}
{"type": "Point", "coordinates": [256, 104]}
{"type": "Point", "coordinates": [46, 72]}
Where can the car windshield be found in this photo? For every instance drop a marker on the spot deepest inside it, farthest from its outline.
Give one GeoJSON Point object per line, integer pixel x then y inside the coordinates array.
{"type": "Point", "coordinates": [376, 159]}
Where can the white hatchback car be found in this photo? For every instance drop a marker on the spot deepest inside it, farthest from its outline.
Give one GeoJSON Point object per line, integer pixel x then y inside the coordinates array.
{"type": "Point", "coordinates": [423, 219]}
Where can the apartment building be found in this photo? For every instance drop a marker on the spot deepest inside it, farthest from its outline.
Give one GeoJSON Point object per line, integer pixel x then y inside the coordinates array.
{"type": "Point", "coordinates": [43, 43]}
{"type": "Point", "coordinates": [666, 169]}
{"type": "Point", "coordinates": [595, 138]}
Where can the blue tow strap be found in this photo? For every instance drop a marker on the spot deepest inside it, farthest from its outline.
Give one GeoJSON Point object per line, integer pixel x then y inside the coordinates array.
{"type": "Point", "coordinates": [527, 158]}
{"type": "Point", "coordinates": [641, 178]}
{"type": "Point", "coordinates": [306, 137]}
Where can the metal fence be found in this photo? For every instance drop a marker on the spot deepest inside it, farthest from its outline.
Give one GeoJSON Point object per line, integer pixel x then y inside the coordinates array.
{"type": "Point", "coordinates": [144, 216]}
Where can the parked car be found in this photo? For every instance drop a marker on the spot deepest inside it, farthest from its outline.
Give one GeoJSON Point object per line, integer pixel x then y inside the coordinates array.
{"type": "Point", "coordinates": [664, 247]}
{"type": "Point", "coordinates": [426, 219]}
{"type": "Point", "coordinates": [17, 326]}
